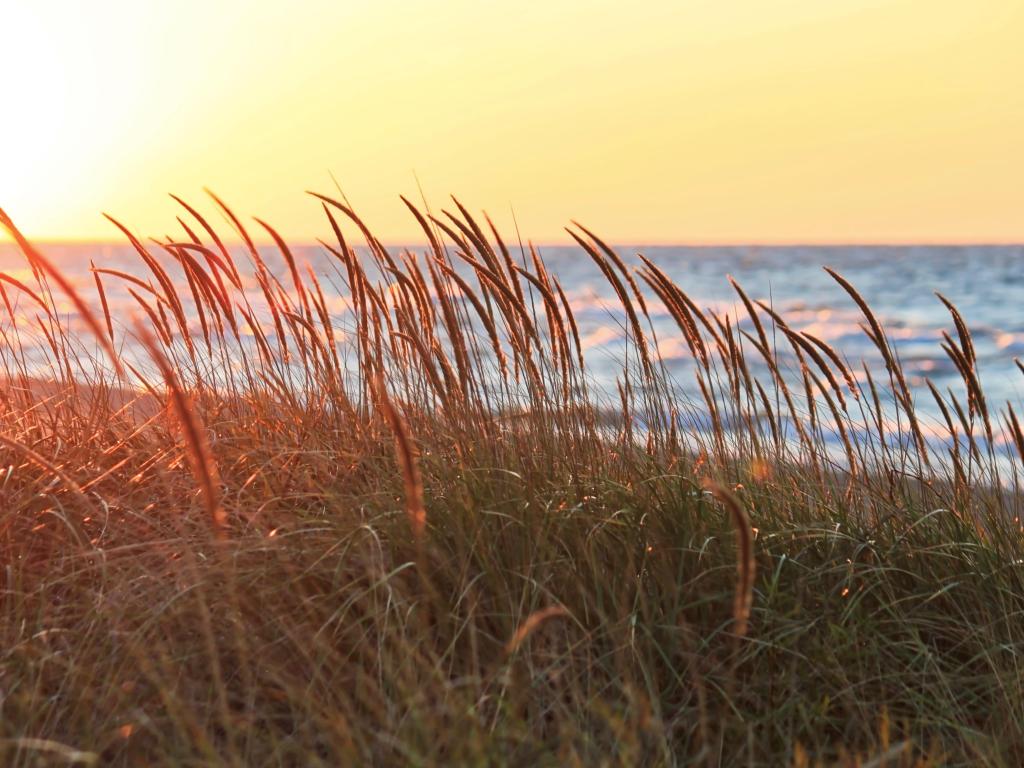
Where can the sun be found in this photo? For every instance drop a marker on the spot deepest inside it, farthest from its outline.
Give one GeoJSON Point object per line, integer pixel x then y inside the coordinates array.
{"type": "Point", "coordinates": [59, 103]}
{"type": "Point", "coordinates": [36, 98]}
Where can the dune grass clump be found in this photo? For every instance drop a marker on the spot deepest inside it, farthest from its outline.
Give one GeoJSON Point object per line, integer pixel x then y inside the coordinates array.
{"type": "Point", "coordinates": [249, 527]}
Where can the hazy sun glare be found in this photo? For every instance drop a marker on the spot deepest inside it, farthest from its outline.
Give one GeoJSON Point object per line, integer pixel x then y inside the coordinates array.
{"type": "Point", "coordinates": [680, 120]}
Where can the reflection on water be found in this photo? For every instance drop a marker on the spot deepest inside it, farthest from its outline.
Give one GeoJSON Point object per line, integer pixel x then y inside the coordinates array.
{"type": "Point", "coordinates": [985, 282]}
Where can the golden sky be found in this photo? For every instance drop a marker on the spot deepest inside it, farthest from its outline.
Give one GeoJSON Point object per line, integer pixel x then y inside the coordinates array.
{"type": "Point", "coordinates": [649, 120]}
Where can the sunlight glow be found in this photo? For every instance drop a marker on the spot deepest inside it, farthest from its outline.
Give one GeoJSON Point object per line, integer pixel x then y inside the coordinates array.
{"type": "Point", "coordinates": [655, 121]}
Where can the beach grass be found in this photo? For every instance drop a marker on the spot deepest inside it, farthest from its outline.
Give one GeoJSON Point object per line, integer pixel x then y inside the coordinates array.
{"type": "Point", "coordinates": [238, 530]}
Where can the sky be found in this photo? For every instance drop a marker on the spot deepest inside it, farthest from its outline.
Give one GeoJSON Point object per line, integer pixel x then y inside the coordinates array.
{"type": "Point", "coordinates": [651, 121]}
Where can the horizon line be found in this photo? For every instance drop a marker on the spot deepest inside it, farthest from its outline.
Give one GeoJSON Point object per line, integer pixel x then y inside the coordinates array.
{"type": "Point", "coordinates": [626, 243]}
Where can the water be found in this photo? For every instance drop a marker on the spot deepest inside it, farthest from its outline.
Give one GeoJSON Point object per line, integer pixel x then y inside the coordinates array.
{"type": "Point", "coordinates": [985, 282]}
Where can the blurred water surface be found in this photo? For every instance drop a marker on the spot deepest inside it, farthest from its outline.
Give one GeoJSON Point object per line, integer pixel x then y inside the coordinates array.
{"type": "Point", "coordinates": [985, 282]}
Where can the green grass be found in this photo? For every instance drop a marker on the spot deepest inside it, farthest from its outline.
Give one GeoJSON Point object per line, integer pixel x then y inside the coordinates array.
{"type": "Point", "coordinates": [245, 576]}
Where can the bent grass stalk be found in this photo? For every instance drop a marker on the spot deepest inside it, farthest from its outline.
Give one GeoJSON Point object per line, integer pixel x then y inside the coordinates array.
{"type": "Point", "coordinates": [544, 491]}
{"type": "Point", "coordinates": [197, 448]}
{"type": "Point", "coordinates": [405, 452]}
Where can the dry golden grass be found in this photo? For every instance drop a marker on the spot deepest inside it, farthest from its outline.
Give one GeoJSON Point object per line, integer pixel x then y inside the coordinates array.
{"type": "Point", "coordinates": [434, 542]}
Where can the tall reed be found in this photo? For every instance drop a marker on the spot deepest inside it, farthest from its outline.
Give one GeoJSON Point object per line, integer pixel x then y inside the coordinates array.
{"type": "Point", "coordinates": [574, 598]}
